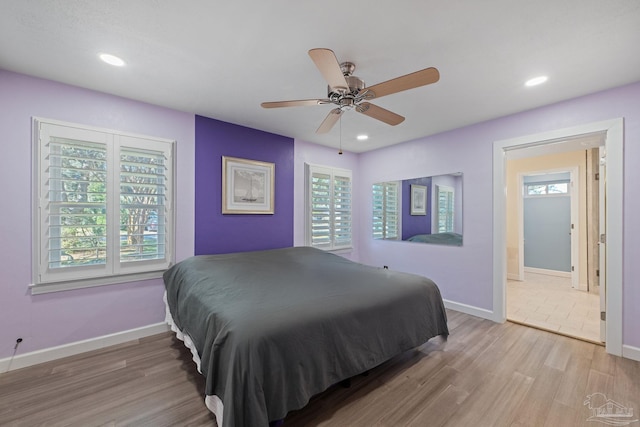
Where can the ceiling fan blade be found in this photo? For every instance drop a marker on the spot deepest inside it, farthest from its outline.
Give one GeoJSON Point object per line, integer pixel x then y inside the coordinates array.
{"type": "Point", "coordinates": [298, 103]}
{"type": "Point", "coordinates": [379, 113]}
{"type": "Point", "coordinates": [329, 67]}
{"type": "Point", "coordinates": [329, 121]}
{"type": "Point", "coordinates": [409, 81]}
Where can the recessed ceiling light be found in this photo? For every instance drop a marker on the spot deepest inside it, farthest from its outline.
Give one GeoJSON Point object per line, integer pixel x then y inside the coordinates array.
{"type": "Point", "coordinates": [112, 60]}
{"type": "Point", "coordinates": [536, 81]}
{"type": "Point", "coordinates": [362, 137]}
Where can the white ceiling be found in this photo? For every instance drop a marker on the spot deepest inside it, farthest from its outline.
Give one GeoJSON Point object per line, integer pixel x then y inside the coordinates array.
{"type": "Point", "coordinates": [221, 59]}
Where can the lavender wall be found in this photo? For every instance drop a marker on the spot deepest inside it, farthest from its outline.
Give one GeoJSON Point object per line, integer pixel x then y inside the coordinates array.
{"type": "Point", "coordinates": [50, 320]}
{"type": "Point", "coordinates": [218, 233]}
{"type": "Point", "coordinates": [465, 274]}
{"type": "Point", "coordinates": [415, 224]}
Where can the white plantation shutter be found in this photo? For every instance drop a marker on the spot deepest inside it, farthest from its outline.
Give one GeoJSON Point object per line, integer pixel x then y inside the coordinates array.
{"type": "Point", "coordinates": [321, 210]}
{"type": "Point", "coordinates": [98, 193]}
{"type": "Point", "coordinates": [341, 210]}
{"type": "Point", "coordinates": [328, 197]}
{"type": "Point", "coordinates": [445, 211]}
{"type": "Point", "coordinates": [142, 204]}
{"type": "Point", "coordinates": [76, 199]}
{"type": "Point", "coordinates": [386, 218]}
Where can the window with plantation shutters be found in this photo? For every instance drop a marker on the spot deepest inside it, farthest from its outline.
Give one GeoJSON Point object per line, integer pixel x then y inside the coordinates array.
{"type": "Point", "coordinates": [445, 208]}
{"type": "Point", "coordinates": [386, 205]}
{"type": "Point", "coordinates": [103, 206]}
{"type": "Point", "coordinates": [328, 219]}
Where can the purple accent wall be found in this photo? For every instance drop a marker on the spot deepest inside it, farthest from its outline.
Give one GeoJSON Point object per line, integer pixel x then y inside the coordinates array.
{"type": "Point", "coordinates": [217, 233]}
{"type": "Point", "coordinates": [415, 224]}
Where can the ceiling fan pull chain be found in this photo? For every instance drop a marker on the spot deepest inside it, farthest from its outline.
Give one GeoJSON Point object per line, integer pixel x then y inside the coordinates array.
{"type": "Point", "coordinates": [340, 152]}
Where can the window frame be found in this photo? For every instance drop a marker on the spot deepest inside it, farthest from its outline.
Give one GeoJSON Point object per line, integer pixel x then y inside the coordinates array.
{"type": "Point", "coordinates": [384, 212]}
{"type": "Point", "coordinates": [310, 170]}
{"type": "Point", "coordinates": [114, 270]}
{"type": "Point", "coordinates": [546, 185]}
{"type": "Point", "coordinates": [449, 214]}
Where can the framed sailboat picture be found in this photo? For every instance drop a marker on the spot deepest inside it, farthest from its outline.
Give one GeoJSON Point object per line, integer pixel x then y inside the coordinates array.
{"type": "Point", "coordinates": [418, 199]}
{"type": "Point", "coordinates": [247, 186]}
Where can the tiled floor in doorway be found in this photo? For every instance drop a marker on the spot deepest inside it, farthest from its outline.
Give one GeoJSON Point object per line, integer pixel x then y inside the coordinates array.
{"type": "Point", "coordinates": [549, 302]}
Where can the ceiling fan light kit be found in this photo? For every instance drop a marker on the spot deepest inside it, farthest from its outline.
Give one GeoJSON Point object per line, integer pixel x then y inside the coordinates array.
{"type": "Point", "coordinates": [349, 92]}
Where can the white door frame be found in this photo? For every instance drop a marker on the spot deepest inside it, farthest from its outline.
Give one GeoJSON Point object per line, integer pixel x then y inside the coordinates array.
{"type": "Point", "coordinates": [614, 143]}
{"type": "Point", "coordinates": [602, 246]}
{"type": "Point", "coordinates": [574, 194]}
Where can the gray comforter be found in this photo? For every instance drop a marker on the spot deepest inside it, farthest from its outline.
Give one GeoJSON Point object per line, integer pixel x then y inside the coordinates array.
{"type": "Point", "coordinates": [274, 328]}
{"type": "Point", "coordinates": [451, 239]}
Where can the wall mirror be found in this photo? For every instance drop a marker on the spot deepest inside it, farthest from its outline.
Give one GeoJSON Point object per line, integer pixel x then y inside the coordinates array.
{"type": "Point", "coordinates": [420, 210]}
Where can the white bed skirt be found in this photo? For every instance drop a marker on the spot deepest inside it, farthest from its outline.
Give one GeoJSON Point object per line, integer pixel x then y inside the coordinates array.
{"type": "Point", "coordinates": [213, 402]}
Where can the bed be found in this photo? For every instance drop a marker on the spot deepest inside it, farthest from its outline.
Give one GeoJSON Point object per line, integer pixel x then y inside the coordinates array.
{"type": "Point", "coordinates": [451, 239]}
{"type": "Point", "coordinates": [270, 329]}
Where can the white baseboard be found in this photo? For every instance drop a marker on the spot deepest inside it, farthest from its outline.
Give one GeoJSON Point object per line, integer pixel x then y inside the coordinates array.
{"type": "Point", "coordinates": [53, 353]}
{"type": "Point", "coordinates": [631, 352]}
{"type": "Point", "coordinates": [58, 352]}
{"type": "Point", "coordinates": [548, 272]}
{"type": "Point", "coordinates": [469, 309]}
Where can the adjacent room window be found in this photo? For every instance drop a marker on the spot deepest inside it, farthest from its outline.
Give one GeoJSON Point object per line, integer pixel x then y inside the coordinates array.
{"type": "Point", "coordinates": [102, 206]}
{"type": "Point", "coordinates": [328, 202]}
{"type": "Point", "coordinates": [534, 189]}
{"type": "Point", "coordinates": [386, 205]}
{"type": "Point", "coordinates": [445, 208]}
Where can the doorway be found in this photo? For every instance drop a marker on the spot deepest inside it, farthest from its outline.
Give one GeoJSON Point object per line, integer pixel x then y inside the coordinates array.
{"type": "Point", "coordinates": [612, 133]}
{"type": "Point", "coordinates": [547, 287]}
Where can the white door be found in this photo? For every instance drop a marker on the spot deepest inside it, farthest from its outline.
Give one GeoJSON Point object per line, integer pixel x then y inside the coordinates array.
{"type": "Point", "coordinates": [547, 232]}
{"type": "Point", "coordinates": [602, 244]}
{"type": "Point", "coordinates": [564, 241]}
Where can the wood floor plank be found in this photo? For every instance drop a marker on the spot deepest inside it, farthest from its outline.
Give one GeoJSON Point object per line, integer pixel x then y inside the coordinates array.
{"type": "Point", "coordinates": [438, 412]}
{"type": "Point", "coordinates": [496, 405]}
{"type": "Point", "coordinates": [559, 355]}
{"type": "Point", "coordinates": [536, 405]}
{"type": "Point", "coordinates": [602, 362]}
{"type": "Point", "coordinates": [627, 383]}
{"type": "Point", "coordinates": [485, 374]}
{"type": "Point", "coordinates": [573, 382]}
{"type": "Point", "coordinates": [562, 415]}
{"type": "Point", "coordinates": [598, 382]}
{"type": "Point", "coordinates": [402, 413]}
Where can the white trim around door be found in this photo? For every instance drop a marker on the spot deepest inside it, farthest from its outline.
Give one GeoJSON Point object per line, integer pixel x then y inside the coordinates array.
{"type": "Point", "coordinates": [614, 143]}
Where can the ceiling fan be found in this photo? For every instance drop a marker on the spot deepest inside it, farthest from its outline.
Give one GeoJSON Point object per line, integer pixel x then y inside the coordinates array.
{"type": "Point", "coordinates": [349, 92]}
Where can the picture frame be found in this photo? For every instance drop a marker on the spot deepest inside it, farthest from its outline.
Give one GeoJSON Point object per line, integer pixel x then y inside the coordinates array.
{"type": "Point", "coordinates": [418, 199]}
{"type": "Point", "coordinates": [248, 186]}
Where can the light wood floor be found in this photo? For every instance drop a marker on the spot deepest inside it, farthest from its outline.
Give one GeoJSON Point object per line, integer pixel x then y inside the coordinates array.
{"type": "Point", "coordinates": [485, 374]}
{"type": "Point", "coordinates": [549, 302]}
